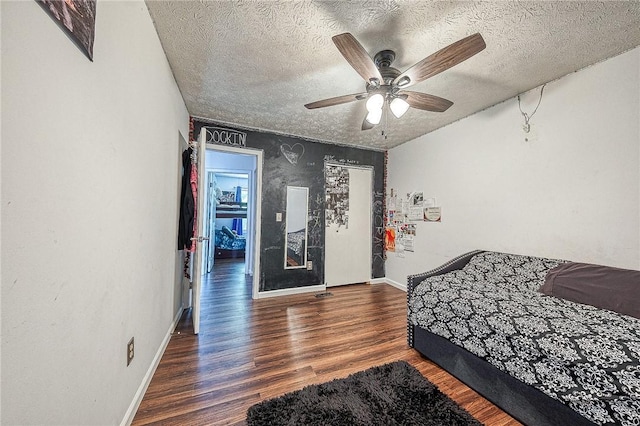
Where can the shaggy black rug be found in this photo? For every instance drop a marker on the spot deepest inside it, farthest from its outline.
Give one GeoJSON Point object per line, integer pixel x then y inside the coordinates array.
{"type": "Point", "coordinates": [391, 394]}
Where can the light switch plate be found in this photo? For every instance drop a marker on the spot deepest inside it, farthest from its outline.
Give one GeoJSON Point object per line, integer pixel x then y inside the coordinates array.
{"type": "Point", "coordinates": [278, 217]}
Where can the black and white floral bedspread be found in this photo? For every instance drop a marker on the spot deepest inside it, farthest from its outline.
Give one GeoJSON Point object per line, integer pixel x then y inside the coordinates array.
{"type": "Point", "coordinates": [223, 241]}
{"type": "Point", "coordinates": [295, 241]}
{"type": "Point", "coordinates": [588, 358]}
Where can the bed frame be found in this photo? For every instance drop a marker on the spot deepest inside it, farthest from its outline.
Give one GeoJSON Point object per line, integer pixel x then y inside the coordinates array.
{"type": "Point", "coordinates": [523, 402]}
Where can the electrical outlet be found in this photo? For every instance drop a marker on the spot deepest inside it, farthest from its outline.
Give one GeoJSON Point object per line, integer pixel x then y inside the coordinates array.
{"type": "Point", "coordinates": [278, 217]}
{"type": "Point", "coordinates": [309, 265]}
{"type": "Point", "coordinates": [130, 351]}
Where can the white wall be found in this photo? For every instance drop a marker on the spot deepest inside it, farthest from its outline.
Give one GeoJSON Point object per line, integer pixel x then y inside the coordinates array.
{"type": "Point", "coordinates": [230, 162]}
{"type": "Point", "coordinates": [229, 184]}
{"type": "Point", "coordinates": [572, 191]}
{"type": "Point", "coordinates": [89, 213]}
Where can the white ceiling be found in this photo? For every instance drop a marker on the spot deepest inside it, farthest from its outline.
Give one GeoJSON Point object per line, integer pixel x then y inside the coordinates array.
{"type": "Point", "coordinates": [254, 64]}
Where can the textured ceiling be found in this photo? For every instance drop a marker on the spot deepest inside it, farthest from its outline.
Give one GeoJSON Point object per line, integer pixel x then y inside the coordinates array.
{"type": "Point", "coordinates": [255, 64]}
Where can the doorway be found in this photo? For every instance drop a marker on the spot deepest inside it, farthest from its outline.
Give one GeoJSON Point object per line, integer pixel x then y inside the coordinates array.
{"type": "Point", "coordinates": [348, 224]}
{"type": "Point", "coordinates": [230, 209]}
{"type": "Point", "coordinates": [226, 222]}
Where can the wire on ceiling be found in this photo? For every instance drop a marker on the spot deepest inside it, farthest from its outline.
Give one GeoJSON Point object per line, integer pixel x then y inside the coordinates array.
{"type": "Point", "coordinates": [527, 127]}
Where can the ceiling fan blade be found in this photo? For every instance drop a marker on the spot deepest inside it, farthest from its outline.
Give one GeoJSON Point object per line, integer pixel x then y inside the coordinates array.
{"type": "Point", "coordinates": [442, 60]}
{"type": "Point", "coordinates": [336, 101]}
{"type": "Point", "coordinates": [359, 59]}
{"type": "Point", "coordinates": [426, 102]}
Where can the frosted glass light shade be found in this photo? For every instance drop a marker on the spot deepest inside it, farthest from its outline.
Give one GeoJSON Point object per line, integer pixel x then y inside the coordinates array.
{"type": "Point", "coordinates": [375, 102]}
{"type": "Point", "coordinates": [374, 116]}
{"type": "Point", "coordinates": [398, 107]}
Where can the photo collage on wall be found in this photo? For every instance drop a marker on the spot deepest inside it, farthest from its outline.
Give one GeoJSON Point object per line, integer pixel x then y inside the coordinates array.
{"type": "Point", "coordinates": [402, 215]}
{"type": "Point", "coordinates": [336, 195]}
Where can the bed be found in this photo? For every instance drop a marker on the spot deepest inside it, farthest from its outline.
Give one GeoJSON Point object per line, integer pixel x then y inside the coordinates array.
{"type": "Point", "coordinates": [229, 245]}
{"type": "Point", "coordinates": [295, 247]}
{"type": "Point", "coordinates": [231, 211]}
{"type": "Point", "coordinates": [543, 359]}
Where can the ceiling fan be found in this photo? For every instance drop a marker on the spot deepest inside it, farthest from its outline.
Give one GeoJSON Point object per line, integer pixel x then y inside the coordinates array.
{"type": "Point", "coordinates": [386, 84]}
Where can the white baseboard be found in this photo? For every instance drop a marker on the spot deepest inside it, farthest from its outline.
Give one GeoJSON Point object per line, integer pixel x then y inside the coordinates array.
{"type": "Point", "coordinates": [288, 291]}
{"type": "Point", "coordinates": [137, 399]}
{"type": "Point", "coordinates": [318, 288]}
{"type": "Point", "coordinates": [392, 283]}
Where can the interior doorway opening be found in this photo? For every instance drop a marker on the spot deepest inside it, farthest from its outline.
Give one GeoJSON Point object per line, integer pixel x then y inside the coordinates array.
{"type": "Point", "coordinates": [227, 223]}
{"type": "Point", "coordinates": [227, 159]}
{"type": "Point", "coordinates": [229, 213]}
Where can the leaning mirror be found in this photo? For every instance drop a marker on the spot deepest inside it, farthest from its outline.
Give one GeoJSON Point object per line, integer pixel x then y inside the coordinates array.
{"type": "Point", "coordinates": [295, 255]}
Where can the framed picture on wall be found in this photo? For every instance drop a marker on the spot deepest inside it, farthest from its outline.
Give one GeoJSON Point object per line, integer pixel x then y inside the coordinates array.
{"type": "Point", "coordinates": [77, 18]}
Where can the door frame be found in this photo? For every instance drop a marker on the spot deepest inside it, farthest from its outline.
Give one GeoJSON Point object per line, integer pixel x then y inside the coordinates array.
{"type": "Point", "coordinates": [371, 170]}
{"type": "Point", "coordinates": [257, 204]}
{"type": "Point", "coordinates": [248, 268]}
{"type": "Point", "coordinates": [208, 252]}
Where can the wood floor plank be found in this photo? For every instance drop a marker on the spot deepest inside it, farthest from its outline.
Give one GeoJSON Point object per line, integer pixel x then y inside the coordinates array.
{"type": "Point", "coordinates": [251, 350]}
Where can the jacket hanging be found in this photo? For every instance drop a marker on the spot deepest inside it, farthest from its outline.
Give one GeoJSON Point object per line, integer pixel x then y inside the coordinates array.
{"type": "Point", "coordinates": [187, 204]}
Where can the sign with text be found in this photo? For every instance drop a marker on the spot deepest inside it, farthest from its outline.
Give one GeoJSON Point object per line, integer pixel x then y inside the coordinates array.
{"type": "Point", "coordinates": [224, 136]}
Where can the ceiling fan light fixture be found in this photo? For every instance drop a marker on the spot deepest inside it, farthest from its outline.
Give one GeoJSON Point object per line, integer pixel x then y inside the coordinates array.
{"type": "Point", "coordinates": [374, 116]}
{"type": "Point", "coordinates": [403, 81]}
{"type": "Point", "coordinates": [375, 102]}
{"type": "Point", "coordinates": [398, 107]}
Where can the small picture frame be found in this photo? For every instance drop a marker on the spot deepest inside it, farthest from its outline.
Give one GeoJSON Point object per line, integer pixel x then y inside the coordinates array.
{"type": "Point", "coordinates": [433, 214]}
{"type": "Point", "coordinates": [77, 18]}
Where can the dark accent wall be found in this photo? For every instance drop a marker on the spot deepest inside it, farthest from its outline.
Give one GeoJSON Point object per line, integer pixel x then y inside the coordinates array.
{"type": "Point", "coordinates": [295, 161]}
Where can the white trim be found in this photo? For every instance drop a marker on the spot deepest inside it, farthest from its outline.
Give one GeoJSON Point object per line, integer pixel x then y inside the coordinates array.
{"type": "Point", "coordinates": [137, 398]}
{"type": "Point", "coordinates": [391, 282]}
{"type": "Point", "coordinates": [382, 280]}
{"type": "Point", "coordinates": [289, 291]}
{"type": "Point", "coordinates": [289, 209]}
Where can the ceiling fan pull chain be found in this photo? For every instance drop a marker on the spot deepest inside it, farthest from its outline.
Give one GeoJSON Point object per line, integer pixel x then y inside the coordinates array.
{"type": "Point", "coordinates": [527, 127]}
{"type": "Point", "coordinates": [384, 126]}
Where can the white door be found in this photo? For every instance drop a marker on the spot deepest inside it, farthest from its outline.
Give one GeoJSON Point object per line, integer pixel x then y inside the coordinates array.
{"type": "Point", "coordinates": [197, 255]}
{"type": "Point", "coordinates": [348, 230]}
{"type": "Point", "coordinates": [210, 224]}
{"type": "Point", "coordinates": [251, 222]}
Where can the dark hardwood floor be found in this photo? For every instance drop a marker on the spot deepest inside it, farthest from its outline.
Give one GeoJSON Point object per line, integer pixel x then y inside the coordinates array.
{"type": "Point", "coordinates": [248, 351]}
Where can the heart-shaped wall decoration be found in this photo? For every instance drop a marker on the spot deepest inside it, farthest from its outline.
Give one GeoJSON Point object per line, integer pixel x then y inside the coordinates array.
{"type": "Point", "coordinates": [292, 153]}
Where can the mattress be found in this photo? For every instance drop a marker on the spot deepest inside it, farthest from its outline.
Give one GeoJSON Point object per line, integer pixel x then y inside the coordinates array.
{"type": "Point", "coordinates": [585, 357]}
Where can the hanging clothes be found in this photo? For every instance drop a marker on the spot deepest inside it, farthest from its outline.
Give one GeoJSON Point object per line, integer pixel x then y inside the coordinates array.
{"type": "Point", "coordinates": [194, 192]}
{"type": "Point", "coordinates": [237, 223]}
{"type": "Point", "coordinates": [187, 204]}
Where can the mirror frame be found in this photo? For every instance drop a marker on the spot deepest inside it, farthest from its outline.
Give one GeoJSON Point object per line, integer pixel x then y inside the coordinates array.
{"type": "Point", "coordinates": [295, 217]}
